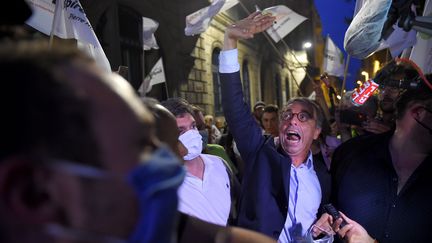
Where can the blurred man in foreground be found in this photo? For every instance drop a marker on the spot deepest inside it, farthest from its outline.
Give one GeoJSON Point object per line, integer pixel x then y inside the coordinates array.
{"type": "Point", "coordinates": [79, 161]}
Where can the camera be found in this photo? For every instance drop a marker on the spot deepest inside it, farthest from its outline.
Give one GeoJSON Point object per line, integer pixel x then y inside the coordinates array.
{"type": "Point", "coordinates": [383, 78]}
{"type": "Point", "coordinates": [400, 11]}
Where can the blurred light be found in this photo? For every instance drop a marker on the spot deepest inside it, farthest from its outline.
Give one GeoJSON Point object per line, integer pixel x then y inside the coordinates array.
{"type": "Point", "coordinates": [307, 45]}
{"type": "Point", "coordinates": [339, 97]}
{"type": "Point", "coordinates": [376, 67]}
{"type": "Point", "coordinates": [366, 74]}
{"type": "Point", "coordinates": [359, 82]}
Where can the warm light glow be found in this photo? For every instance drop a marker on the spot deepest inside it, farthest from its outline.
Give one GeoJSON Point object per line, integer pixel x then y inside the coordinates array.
{"type": "Point", "coordinates": [366, 74]}
{"type": "Point", "coordinates": [359, 82]}
{"type": "Point", "coordinates": [339, 97]}
{"type": "Point", "coordinates": [307, 45]}
{"type": "Point", "coordinates": [376, 67]}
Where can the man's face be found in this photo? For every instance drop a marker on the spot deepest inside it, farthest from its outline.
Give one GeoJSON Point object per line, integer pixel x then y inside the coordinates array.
{"type": "Point", "coordinates": [208, 120]}
{"type": "Point", "coordinates": [296, 136]}
{"type": "Point", "coordinates": [270, 122]}
{"type": "Point", "coordinates": [186, 122]}
{"type": "Point", "coordinates": [389, 95]}
{"type": "Point", "coordinates": [123, 130]}
{"type": "Point", "coordinates": [258, 112]}
{"type": "Point", "coordinates": [387, 98]}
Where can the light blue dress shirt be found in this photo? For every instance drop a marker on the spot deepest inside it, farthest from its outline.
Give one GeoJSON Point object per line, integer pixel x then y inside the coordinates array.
{"type": "Point", "coordinates": [303, 204]}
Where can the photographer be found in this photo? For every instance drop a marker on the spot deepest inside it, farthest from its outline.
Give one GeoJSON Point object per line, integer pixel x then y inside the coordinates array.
{"type": "Point", "coordinates": [394, 78]}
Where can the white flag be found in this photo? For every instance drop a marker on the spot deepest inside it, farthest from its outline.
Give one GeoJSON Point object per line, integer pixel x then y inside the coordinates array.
{"type": "Point", "coordinates": [333, 62]}
{"type": "Point", "coordinates": [421, 53]}
{"type": "Point", "coordinates": [149, 28]}
{"type": "Point", "coordinates": [229, 4]}
{"type": "Point", "coordinates": [286, 21]}
{"type": "Point", "coordinates": [70, 23]}
{"type": "Point", "coordinates": [199, 21]}
{"type": "Point", "coordinates": [156, 76]}
{"type": "Point", "coordinates": [398, 41]}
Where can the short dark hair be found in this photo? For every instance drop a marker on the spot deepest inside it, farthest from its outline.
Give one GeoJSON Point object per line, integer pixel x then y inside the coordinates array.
{"type": "Point", "coordinates": [257, 104]}
{"type": "Point", "coordinates": [310, 105]}
{"type": "Point", "coordinates": [178, 106]}
{"type": "Point", "coordinates": [271, 109]}
{"type": "Point", "coordinates": [42, 114]}
{"type": "Point", "coordinates": [422, 95]}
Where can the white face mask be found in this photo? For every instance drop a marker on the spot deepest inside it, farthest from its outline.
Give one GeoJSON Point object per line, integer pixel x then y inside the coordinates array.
{"type": "Point", "coordinates": [192, 140]}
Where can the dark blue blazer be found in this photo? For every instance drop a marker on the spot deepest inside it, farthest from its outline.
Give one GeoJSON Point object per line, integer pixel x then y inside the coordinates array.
{"type": "Point", "coordinates": [263, 203]}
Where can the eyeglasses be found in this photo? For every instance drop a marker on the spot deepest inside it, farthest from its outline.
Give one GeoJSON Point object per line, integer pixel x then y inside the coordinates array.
{"type": "Point", "coordinates": [389, 89]}
{"type": "Point", "coordinates": [302, 116]}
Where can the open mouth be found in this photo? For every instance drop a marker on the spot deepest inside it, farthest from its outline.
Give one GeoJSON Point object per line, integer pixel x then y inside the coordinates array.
{"type": "Point", "coordinates": [293, 136]}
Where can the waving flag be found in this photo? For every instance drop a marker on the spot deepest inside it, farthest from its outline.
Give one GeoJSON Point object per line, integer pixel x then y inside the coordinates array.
{"type": "Point", "coordinates": [156, 76]}
{"type": "Point", "coordinates": [199, 21]}
{"type": "Point", "coordinates": [333, 63]}
{"type": "Point", "coordinates": [66, 19]}
{"type": "Point", "coordinates": [229, 4]}
{"type": "Point", "coordinates": [286, 21]}
{"type": "Point", "coordinates": [149, 28]}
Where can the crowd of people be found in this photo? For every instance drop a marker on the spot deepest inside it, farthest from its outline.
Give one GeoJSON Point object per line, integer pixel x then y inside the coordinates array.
{"type": "Point", "coordinates": [84, 159]}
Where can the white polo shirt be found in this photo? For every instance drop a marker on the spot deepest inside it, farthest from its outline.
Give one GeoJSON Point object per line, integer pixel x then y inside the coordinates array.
{"type": "Point", "coordinates": [208, 199]}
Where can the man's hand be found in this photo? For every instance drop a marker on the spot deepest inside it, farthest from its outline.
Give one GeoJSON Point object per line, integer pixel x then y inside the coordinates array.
{"type": "Point", "coordinates": [375, 126]}
{"type": "Point", "coordinates": [352, 232]}
{"type": "Point", "coordinates": [323, 226]}
{"type": "Point", "coordinates": [246, 28]}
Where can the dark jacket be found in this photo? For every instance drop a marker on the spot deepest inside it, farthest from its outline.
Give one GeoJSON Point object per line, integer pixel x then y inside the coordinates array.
{"type": "Point", "coordinates": [263, 204]}
{"type": "Point", "coordinates": [365, 188]}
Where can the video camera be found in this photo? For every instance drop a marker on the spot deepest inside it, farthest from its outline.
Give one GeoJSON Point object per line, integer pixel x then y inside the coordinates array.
{"type": "Point", "coordinates": [400, 11]}
{"type": "Point", "coordinates": [384, 78]}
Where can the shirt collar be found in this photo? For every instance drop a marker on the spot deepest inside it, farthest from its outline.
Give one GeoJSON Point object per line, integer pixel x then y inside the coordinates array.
{"type": "Point", "coordinates": [308, 163]}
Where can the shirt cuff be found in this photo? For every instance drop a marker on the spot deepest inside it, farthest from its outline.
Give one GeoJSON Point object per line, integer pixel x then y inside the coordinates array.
{"type": "Point", "coordinates": [228, 61]}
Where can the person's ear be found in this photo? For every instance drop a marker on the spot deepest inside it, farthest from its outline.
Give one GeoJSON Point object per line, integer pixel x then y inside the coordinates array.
{"type": "Point", "coordinates": [416, 111]}
{"type": "Point", "coordinates": [317, 132]}
{"type": "Point", "coordinates": [24, 191]}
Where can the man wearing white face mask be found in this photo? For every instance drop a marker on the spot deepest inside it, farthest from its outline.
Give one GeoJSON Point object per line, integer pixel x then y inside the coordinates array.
{"type": "Point", "coordinates": [205, 192]}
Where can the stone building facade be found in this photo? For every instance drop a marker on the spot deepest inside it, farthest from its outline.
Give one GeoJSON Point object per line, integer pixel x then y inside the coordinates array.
{"type": "Point", "coordinates": [270, 72]}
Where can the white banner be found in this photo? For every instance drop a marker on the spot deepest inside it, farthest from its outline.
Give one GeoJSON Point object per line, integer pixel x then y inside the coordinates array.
{"type": "Point", "coordinates": [70, 23]}
{"type": "Point", "coordinates": [421, 53]}
{"type": "Point", "coordinates": [149, 28]}
{"type": "Point", "coordinates": [286, 21]}
{"type": "Point", "coordinates": [229, 4]}
{"type": "Point", "coordinates": [333, 62]}
{"type": "Point", "coordinates": [156, 76]}
{"type": "Point", "coordinates": [199, 21]}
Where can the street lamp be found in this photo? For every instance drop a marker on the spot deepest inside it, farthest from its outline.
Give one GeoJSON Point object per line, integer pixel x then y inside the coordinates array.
{"type": "Point", "coordinates": [307, 45]}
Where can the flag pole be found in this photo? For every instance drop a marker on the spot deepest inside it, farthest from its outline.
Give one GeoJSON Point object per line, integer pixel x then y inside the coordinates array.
{"type": "Point", "coordinates": [57, 8]}
{"type": "Point", "coordinates": [344, 79]}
